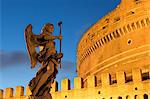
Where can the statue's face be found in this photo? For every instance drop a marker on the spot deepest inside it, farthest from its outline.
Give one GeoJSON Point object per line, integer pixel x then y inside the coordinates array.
{"type": "Point", "coordinates": [51, 29]}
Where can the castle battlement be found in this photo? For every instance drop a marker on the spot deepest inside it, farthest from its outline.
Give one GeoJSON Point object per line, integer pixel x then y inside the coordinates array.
{"type": "Point", "coordinates": [18, 93]}
{"type": "Point", "coordinates": [138, 86]}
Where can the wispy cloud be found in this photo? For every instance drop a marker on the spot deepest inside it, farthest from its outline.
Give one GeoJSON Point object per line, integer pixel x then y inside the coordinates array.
{"type": "Point", "coordinates": [7, 59]}
{"type": "Point", "coordinates": [68, 70]}
{"type": "Point", "coordinates": [67, 65]}
{"type": "Point", "coordinates": [19, 57]}
{"type": "Point", "coordinates": [12, 58]}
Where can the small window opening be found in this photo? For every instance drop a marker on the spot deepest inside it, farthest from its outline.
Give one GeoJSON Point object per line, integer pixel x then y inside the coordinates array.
{"type": "Point", "coordinates": [128, 77]}
{"type": "Point", "coordinates": [113, 79]}
{"type": "Point", "coordinates": [99, 92]}
{"type": "Point", "coordinates": [145, 96]}
{"type": "Point", "coordinates": [147, 21]}
{"type": "Point", "coordinates": [129, 42]}
{"type": "Point", "coordinates": [145, 76]}
{"type": "Point", "coordinates": [133, 26]}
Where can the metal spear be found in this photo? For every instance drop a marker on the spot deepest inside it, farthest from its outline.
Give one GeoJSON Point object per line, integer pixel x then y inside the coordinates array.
{"type": "Point", "coordinates": [60, 25]}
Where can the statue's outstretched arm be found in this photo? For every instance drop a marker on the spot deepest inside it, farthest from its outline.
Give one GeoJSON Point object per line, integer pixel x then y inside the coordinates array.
{"type": "Point", "coordinates": [58, 37]}
{"type": "Point", "coordinates": [53, 37]}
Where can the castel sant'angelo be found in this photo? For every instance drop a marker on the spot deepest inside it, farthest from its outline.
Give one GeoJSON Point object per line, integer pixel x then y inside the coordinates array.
{"type": "Point", "coordinates": [113, 58]}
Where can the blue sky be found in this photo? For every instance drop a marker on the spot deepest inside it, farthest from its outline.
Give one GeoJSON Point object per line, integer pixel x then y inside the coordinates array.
{"type": "Point", "coordinates": [77, 16]}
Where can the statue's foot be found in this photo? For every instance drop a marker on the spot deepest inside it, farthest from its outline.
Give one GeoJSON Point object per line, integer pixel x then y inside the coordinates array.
{"type": "Point", "coordinates": [47, 96]}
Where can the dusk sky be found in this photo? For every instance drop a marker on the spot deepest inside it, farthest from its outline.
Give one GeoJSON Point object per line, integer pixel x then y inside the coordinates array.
{"type": "Point", "coordinates": [77, 16]}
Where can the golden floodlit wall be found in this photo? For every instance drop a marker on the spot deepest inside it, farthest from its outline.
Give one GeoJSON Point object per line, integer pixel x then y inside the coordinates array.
{"type": "Point", "coordinates": [121, 90]}
{"type": "Point", "coordinates": [119, 42]}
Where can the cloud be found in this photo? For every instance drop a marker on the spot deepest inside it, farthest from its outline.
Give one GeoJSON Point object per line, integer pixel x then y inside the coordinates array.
{"type": "Point", "coordinates": [13, 58]}
{"type": "Point", "coordinates": [68, 69]}
{"type": "Point", "coordinates": [67, 65]}
{"type": "Point", "coordinates": [18, 58]}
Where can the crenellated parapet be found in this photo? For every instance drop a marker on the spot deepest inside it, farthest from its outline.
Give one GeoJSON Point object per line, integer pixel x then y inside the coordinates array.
{"type": "Point", "coordinates": [18, 93]}
{"type": "Point", "coordinates": [136, 87]}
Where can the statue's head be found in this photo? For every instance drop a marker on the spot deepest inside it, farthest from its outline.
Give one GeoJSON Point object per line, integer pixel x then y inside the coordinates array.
{"type": "Point", "coordinates": [48, 28]}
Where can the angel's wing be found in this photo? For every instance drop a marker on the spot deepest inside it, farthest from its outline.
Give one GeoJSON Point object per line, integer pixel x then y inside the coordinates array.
{"type": "Point", "coordinates": [31, 44]}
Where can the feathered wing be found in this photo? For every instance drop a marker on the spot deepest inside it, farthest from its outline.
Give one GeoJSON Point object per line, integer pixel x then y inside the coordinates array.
{"type": "Point", "coordinates": [31, 44]}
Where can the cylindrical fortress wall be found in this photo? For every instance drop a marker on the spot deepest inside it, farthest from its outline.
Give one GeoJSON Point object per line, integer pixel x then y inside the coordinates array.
{"type": "Point", "coordinates": [118, 41]}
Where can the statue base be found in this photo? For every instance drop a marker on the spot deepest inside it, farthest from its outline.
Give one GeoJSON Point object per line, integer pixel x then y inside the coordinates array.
{"type": "Point", "coordinates": [47, 96]}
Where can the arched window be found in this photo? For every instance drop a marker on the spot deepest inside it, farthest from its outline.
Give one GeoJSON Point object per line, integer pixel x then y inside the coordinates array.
{"type": "Point", "coordinates": [128, 27]}
{"type": "Point", "coordinates": [102, 41]}
{"type": "Point", "coordinates": [97, 44]}
{"type": "Point", "coordinates": [124, 29]}
{"type": "Point", "coordinates": [142, 23]}
{"type": "Point", "coordinates": [119, 97]}
{"type": "Point", "coordinates": [135, 97]}
{"type": "Point", "coordinates": [138, 24]}
{"type": "Point", "coordinates": [145, 96]}
{"type": "Point", "coordinates": [133, 26]}
{"type": "Point", "coordinates": [127, 97]}
{"type": "Point", "coordinates": [120, 30]}
{"type": "Point", "coordinates": [107, 37]}
{"type": "Point", "coordinates": [147, 21]}
{"type": "Point", "coordinates": [105, 40]}
{"type": "Point", "coordinates": [116, 34]}
{"type": "Point", "coordinates": [110, 35]}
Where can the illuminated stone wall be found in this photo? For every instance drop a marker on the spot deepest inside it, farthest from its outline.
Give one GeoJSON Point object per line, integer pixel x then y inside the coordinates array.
{"type": "Point", "coordinates": [137, 88]}
{"type": "Point", "coordinates": [120, 41]}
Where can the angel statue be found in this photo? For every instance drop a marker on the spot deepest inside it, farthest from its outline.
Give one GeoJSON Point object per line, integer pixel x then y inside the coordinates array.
{"type": "Point", "coordinates": [48, 57]}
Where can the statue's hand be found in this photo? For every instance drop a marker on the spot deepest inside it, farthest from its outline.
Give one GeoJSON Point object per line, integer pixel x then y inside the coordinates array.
{"type": "Point", "coordinates": [60, 37]}
{"type": "Point", "coordinates": [59, 56]}
{"type": "Point", "coordinates": [29, 28]}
